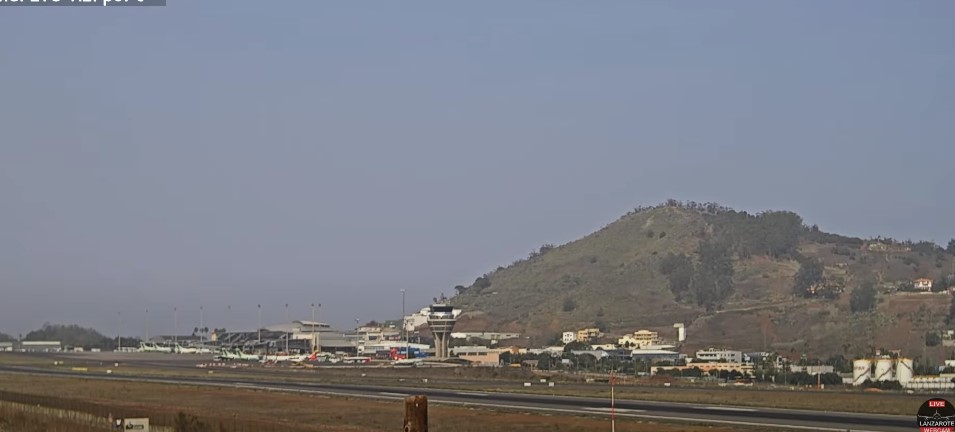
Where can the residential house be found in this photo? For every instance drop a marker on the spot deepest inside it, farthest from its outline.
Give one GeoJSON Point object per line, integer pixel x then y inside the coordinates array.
{"type": "Point", "coordinates": [584, 335]}
{"type": "Point", "coordinates": [922, 284]}
{"type": "Point", "coordinates": [568, 337]}
{"type": "Point", "coordinates": [639, 339]}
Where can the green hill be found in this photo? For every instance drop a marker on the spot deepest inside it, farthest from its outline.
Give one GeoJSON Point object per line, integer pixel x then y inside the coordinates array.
{"type": "Point", "coordinates": [733, 278]}
{"type": "Point", "coordinates": [71, 335]}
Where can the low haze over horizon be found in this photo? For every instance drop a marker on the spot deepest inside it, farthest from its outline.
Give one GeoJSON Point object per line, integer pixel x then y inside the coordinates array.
{"type": "Point", "coordinates": [336, 153]}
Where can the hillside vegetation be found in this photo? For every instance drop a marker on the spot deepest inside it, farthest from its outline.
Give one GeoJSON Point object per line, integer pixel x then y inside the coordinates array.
{"type": "Point", "coordinates": [71, 335]}
{"type": "Point", "coordinates": [763, 281]}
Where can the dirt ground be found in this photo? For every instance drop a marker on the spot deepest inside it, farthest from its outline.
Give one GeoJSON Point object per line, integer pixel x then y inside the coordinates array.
{"type": "Point", "coordinates": [250, 410]}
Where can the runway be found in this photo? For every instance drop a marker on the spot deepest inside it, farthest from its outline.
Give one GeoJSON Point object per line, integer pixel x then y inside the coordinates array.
{"type": "Point", "coordinates": [646, 410]}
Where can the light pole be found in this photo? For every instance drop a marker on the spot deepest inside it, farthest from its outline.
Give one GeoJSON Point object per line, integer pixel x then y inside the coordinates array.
{"type": "Point", "coordinates": [259, 340]}
{"type": "Point", "coordinates": [119, 330]}
{"type": "Point", "coordinates": [404, 326]}
{"type": "Point", "coordinates": [175, 321]}
{"type": "Point", "coordinates": [288, 323]}
{"type": "Point", "coordinates": [314, 344]}
{"type": "Point", "coordinates": [202, 339]}
{"type": "Point", "coordinates": [146, 336]}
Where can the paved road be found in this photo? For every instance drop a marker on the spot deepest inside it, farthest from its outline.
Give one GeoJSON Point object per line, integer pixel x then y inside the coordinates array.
{"type": "Point", "coordinates": [648, 410]}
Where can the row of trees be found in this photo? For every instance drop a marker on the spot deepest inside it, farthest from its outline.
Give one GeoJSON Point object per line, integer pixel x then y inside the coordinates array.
{"type": "Point", "coordinates": [709, 282]}
{"type": "Point", "coordinates": [774, 233]}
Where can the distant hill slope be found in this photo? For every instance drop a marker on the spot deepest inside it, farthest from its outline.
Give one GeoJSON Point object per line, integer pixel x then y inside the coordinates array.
{"type": "Point", "coordinates": [71, 335]}
{"type": "Point", "coordinates": [731, 277]}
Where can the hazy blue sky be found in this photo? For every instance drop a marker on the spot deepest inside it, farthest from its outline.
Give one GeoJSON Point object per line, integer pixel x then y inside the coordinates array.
{"type": "Point", "coordinates": [225, 152]}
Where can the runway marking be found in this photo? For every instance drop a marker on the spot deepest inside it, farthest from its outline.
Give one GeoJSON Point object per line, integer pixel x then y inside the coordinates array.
{"type": "Point", "coordinates": [719, 408]}
{"type": "Point", "coordinates": [472, 394]}
{"type": "Point", "coordinates": [392, 394]}
{"type": "Point", "coordinates": [617, 410]}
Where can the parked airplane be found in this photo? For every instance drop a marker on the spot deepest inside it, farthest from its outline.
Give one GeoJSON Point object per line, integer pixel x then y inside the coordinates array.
{"type": "Point", "coordinates": [281, 358]}
{"type": "Point", "coordinates": [150, 347]}
{"type": "Point", "coordinates": [236, 355]}
{"type": "Point", "coordinates": [186, 350]}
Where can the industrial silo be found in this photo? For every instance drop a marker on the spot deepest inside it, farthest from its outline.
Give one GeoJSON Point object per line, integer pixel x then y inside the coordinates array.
{"type": "Point", "coordinates": [861, 371]}
{"type": "Point", "coordinates": [904, 370]}
{"type": "Point", "coordinates": [884, 369]}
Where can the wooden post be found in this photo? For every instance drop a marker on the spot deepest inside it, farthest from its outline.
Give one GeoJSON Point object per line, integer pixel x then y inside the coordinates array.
{"type": "Point", "coordinates": [416, 414]}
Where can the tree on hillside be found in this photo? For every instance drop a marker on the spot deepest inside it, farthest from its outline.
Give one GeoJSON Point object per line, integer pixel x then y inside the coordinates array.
{"type": "Point", "coordinates": [811, 272]}
{"type": "Point", "coordinates": [576, 346]}
{"type": "Point", "coordinates": [950, 318]}
{"type": "Point", "coordinates": [951, 247]}
{"type": "Point", "coordinates": [6, 338]}
{"type": "Point", "coordinates": [782, 230]}
{"type": "Point", "coordinates": [678, 269]}
{"type": "Point", "coordinates": [863, 298]}
{"type": "Point", "coordinates": [713, 280]}
{"type": "Point", "coordinates": [569, 304]}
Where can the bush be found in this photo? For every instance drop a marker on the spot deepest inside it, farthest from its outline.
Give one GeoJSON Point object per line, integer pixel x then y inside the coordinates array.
{"type": "Point", "coordinates": [569, 304]}
{"type": "Point", "coordinates": [189, 423]}
{"type": "Point", "coordinates": [932, 339]}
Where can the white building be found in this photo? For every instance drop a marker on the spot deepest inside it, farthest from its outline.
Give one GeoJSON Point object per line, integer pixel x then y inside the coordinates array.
{"type": "Point", "coordinates": [489, 336]}
{"type": "Point", "coordinates": [41, 346]}
{"type": "Point", "coordinates": [812, 370]}
{"type": "Point", "coordinates": [568, 337]}
{"type": "Point", "coordinates": [715, 355]}
{"type": "Point", "coordinates": [318, 333]}
{"type": "Point", "coordinates": [6, 346]}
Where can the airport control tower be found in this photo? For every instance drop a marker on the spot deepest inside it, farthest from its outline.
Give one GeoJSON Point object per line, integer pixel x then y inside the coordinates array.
{"type": "Point", "coordinates": [441, 320]}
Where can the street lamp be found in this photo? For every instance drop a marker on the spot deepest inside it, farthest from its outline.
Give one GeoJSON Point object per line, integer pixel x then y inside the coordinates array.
{"type": "Point", "coordinates": [404, 326]}
{"type": "Point", "coordinates": [175, 320]}
{"type": "Point", "coordinates": [259, 340]}
{"type": "Point", "coordinates": [287, 329]}
{"type": "Point", "coordinates": [315, 347]}
{"type": "Point", "coordinates": [119, 330]}
{"type": "Point", "coordinates": [202, 338]}
{"type": "Point", "coordinates": [146, 336]}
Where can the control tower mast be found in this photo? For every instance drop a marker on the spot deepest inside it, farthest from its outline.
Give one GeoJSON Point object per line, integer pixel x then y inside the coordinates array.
{"type": "Point", "coordinates": [441, 320]}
